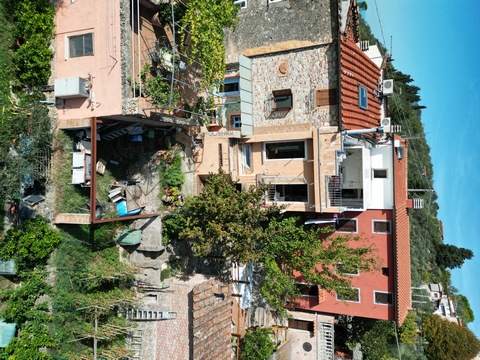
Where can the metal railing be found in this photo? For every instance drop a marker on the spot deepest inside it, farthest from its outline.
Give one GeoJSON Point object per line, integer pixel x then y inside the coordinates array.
{"type": "Point", "coordinates": [334, 190]}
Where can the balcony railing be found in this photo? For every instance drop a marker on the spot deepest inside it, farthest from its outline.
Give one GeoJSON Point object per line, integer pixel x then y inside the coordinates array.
{"type": "Point", "coordinates": [334, 190]}
{"type": "Point", "coordinates": [337, 196]}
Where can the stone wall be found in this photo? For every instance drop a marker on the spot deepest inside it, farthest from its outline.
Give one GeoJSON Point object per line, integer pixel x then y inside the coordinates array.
{"type": "Point", "coordinates": [264, 27]}
{"type": "Point", "coordinates": [302, 72]}
{"type": "Point", "coordinates": [212, 319]}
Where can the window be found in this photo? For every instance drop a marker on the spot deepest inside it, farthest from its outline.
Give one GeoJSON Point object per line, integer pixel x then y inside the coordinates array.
{"type": "Point", "coordinates": [273, 1]}
{"type": "Point", "coordinates": [308, 289]}
{"type": "Point", "coordinates": [344, 269]}
{"type": "Point", "coordinates": [300, 325]}
{"type": "Point", "coordinates": [384, 298]}
{"type": "Point", "coordinates": [346, 225]}
{"type": "Point", "coordinates": [325, 97]}
{"type": "Point", "coordinates": [245, 158]}
{"type": "Point", "coordinates": [236, 121]}
{"type": "Point", "coordinates": [285, 150]}
{"type": "Point", "coordinates": [242, 4]}
{"type": "Point", "coordinates": [288, 192]}
{"type": "Point", "coordinates": [385, 271]}
{"type": "Point", "coordinates": [80, 45]}
{"type": "Point", "coordinates": [381, 227]}
{"type": "Point", "coordinates": [230, 87]}
{"type": "Point", "coordinates": [362, 97]}
{"type": "Point", "coordinates": [282, 100]}
{"type": "Point", "coordinates": [351, 295]}
{"type": "Point", "coordinates": [379, 173]}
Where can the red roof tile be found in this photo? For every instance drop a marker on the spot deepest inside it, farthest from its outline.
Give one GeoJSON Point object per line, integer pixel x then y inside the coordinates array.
{"type": "Point", "coordinates": [403, 281]}
{"type": "Point", "coordinates": [357, 69]}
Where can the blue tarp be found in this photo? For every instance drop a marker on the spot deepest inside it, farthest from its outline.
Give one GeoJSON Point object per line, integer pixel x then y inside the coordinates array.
{"type": "Point", "coordinates": [7, 267]}
{"type": "Point", "coordinates": [7, 333]}
{"type": "Point", "coordinates": [122, 209]}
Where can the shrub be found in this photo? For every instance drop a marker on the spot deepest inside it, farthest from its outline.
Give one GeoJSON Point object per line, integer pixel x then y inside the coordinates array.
{"type": "Point", "coordinates": [257, 345]}
{"type": "Point", "coordinates": [30, 244]}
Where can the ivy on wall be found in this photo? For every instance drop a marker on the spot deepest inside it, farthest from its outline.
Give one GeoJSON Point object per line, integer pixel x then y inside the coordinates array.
{"type": "Point", "coordinates": [204, 21]}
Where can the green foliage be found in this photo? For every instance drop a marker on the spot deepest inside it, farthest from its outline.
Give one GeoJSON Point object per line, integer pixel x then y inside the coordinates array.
{"type": "Point", "coordinates": [408, 331]}
{"type": "Point", "coordinates": [222, 221]}
{"type": "Point", "coordinates": [374, 337]}
{"type": "Point", "coordinates": [447, 340]}
{"type": "Point", "coordinates": [24, 307]}
{"type": "Point", "coordinates": [464, 311]}
{"type": "Point", "coordinates": [257, 345]}
{"type": "Point", "coordinates": [34, 30]}
{"type": "Point", "coordinates": [290, 248]}
{"type": "Point", "coordinates": [30, 244]}
{"type": "Point", "coordinates": [204, 22]}
{"type": "Point", "coordinates": [225, 222]}
{"type": "Point", "coordinates": [21, 301]}
{"type": "Point", "coordinates": [159, 90]}
{"type": "Point", "coordinates": [173, 174]}
{"type": "Point", "coordinates": [451, 256]}
{"type": "Point", "coordinates": [87, 279]}
{"type": "Point", "coordinates": [165, 12]}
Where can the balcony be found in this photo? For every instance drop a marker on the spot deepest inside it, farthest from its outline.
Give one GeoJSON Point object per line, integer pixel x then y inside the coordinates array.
{"type": "Point", "coordinates": [338, 196]}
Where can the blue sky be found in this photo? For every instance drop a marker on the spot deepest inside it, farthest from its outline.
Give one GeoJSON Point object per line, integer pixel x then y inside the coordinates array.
{"type": "Point", "coordinates": [436, 42]}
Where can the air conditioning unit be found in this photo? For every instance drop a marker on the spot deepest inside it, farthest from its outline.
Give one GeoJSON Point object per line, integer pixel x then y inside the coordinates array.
{"type": "Point", "coordinates": [386, 123]}
{"type": "Point", "coordinates": [67, 88]}
{"type": "Point", "coordinates": [387, 87]}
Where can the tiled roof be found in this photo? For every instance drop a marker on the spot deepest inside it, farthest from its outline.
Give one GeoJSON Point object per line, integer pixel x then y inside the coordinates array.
{"type": "Point", "coordinates": [403, 281]}
{"type": "Point", "coordinates": [352, 30]}
{"type": "Point", "coordinates": [357, 69]}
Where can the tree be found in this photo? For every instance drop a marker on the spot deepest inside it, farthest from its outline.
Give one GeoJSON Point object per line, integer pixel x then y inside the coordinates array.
{"type": "Point", "coordinates": [292, 251]}
{"type": "Point", "coordinates": [236, 225]}
{"type": "Point", "coordinates": [450, 256]}
{"type": "Point", "coordinates": [257, 345]}
{"type": "Point", "coordinates": [374, 337]}
{"type": "Point", "coordinates": [408, 331]}
{"type": "Point", "coordinates": [464, 311]}
{"type": "Point", "coordinates": [222, 221]}
{"type": "Point", "coordinates": [30, 244]}
{"type": "Point", "coordinates": [447, 340]}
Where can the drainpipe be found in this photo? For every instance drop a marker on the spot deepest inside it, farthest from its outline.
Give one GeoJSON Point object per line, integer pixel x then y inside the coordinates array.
{"type": "Point", "coordinates": [138, 50]}
{"type": "Point", "coordinates": [132, 45]}
{"type": "Point", "coordinates": [394, 233]}
{"type": "Point", "coordinates": [364, 131]}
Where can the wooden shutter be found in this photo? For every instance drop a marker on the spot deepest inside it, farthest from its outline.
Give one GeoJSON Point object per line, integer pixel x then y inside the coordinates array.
{"type": "Point", "coordinates": [325, 97]}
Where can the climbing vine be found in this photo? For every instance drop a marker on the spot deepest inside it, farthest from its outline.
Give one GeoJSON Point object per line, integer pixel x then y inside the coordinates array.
{"type": "Point", "coordinates": [205, 21]}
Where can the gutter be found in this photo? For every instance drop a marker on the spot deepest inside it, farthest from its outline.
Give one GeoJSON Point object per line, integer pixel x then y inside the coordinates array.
{"type": "Point", "coordinates": [394, 236]}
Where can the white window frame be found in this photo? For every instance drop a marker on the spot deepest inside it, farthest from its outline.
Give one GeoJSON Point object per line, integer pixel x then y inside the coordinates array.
{"type": "Point", "coordinates": [346, 273]}
{"type": "Point", "coordinates": [349, 232]}
{"type": "Point", "coordinates": [239, 3]}
{"type": "Point", "coordinates": [264, 151]}
{"type": "Point", "coordinates": [380, 177]}
{"type": "Point", "coordinates": [352, 301]}
{"type": "Point", "coordinates": [382, 292]}
{"type": "Point", "coordinates": [381, 221]}
{"type": "Point", "coordinates": [273, 1]}
{"type": "Point", "coordinates": [67, 45]}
